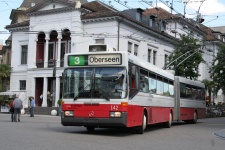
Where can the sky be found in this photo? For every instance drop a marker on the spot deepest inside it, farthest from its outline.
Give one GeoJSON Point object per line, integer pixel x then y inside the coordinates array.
{"type": "Point", "coordinates": [213, 11]}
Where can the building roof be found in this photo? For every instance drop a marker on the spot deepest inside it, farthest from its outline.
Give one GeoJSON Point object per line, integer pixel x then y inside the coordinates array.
{"type": "Point", "coordinates": [209, 33]}
{"type": "Point", "coordinates": [219, 29]}
{"type": "Point", "coordinates": [69, 3]}
{"type": "Point", "coordinates": [21, 24]}
{"type": "Point", "coordinates": [96, 6]}
{"type": "Point", "coordinates": [160, 13]}
{"type": "Point", "coordinates": [28, 3]}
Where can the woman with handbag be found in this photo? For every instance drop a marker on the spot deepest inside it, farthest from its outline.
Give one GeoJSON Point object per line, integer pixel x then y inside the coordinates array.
{"type": "Point", "coordinates": [11, 110]}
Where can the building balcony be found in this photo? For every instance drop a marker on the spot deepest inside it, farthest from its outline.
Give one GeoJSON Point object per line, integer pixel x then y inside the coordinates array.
{"type": "Point", "coordinates": [40, 63]}
{"type": "Point", "coordinates": [51, 63]}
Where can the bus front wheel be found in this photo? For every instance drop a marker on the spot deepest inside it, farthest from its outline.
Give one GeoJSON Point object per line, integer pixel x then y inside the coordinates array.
{"type": "Point", "coordinates": [141, 129]}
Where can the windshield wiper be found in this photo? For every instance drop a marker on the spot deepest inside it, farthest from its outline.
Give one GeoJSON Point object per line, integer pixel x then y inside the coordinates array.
{"type": "Point", "coordinates": [81, 91]}
{"type": "Point", "coordinates": [104, 95]}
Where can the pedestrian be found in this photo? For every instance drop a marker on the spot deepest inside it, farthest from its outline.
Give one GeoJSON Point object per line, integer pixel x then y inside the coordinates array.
{"type": "Point", "coordinates": [49, 99]}
{"type": "Point", "coordinates": [32, 104]}
{"type": "Point", "coordinates": [41, 97]}
{"type": "Point", "coordinates": [11, 110]}
{"type": "Point", "coordinates": [18, 105]}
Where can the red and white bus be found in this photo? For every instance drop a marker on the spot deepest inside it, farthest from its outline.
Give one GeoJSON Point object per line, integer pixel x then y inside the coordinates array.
{"type": "Point", "coordinates": [117, 89]}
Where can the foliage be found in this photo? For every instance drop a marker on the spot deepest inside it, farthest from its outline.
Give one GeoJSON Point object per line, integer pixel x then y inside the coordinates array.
{"type": "Point", "coordinates": [59, 101]}
{"type": "Point", "coordinates": [4, 74]}
{"type": "Point", "coordinates": [217, 71]}
{"type": "Point", "coordinates": [4, 71]}
{"type": "Point", "coordinates": [209, 87]}
{"type": "Point", "coordinates": [186, 57]}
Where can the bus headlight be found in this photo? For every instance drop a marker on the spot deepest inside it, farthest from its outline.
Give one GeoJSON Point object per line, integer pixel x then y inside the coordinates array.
{"type": "Point", "coordinates": [68, 113]}
{"type": "Point", "coordinates": [115, 114]}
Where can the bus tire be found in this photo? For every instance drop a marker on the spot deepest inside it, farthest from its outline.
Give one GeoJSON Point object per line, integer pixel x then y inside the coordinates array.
{"type": "Point", "coordinates": [90, 129]}
{"type": "Point", "coordinates": [169, 123]}
{"type": "Point", "coordinates": [194, 121]}
{"type": "Point", "coordinates": [141, 129]}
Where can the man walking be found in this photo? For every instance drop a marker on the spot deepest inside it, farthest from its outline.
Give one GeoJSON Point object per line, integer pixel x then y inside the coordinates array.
{"type": "Point", "coordinates": [18, 105]}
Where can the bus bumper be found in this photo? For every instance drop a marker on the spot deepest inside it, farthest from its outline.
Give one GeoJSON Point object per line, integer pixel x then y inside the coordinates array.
{"type": "Point", "coordinates": [98, 122]}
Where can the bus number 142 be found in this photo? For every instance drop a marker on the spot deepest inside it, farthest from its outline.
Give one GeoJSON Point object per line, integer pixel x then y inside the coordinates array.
{"type": "Point", "coordinates": [114, 107]}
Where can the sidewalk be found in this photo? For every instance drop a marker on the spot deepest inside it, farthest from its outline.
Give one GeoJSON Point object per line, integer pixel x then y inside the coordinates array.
{"type": "Point", "coordinates": [28, 115]}
{"type": "Point", "coordinates": [220, 133]}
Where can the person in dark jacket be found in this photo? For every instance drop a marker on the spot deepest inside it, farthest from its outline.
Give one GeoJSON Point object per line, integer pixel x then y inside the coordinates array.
{"type": "Point", "coordinates": [18, 105]}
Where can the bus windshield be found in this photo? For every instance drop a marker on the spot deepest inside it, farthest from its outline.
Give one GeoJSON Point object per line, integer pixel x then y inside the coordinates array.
{"type": "Point", "coordinates": [99, 82]}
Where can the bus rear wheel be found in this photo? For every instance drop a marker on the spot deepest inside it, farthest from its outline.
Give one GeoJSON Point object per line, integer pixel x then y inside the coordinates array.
{"type": "Point", "coordinates": [194, 121]}
{"type": "Point", "coordinates": [141, 129]}
{"type": "Point", "coordinates": [169, 123]}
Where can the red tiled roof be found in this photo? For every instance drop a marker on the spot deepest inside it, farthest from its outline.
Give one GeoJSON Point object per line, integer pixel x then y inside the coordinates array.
{"type": "Point", "coordinates": [160, 13]}
{"type": "Point", "coordinates": [96, 7]}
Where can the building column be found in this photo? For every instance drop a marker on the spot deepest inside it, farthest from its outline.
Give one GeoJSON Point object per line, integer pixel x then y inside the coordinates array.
{"type": "Point", "coordinates": [33, 88]}
{"type": "Point", "coordinates": [57, 91]}
{"type": "Point", "coordinates": [32, 48]}
{"type": "Point", "coordinates": [44, 100]}
{"type": "Point", "coordinates": [35, 54]}
{"type": "Point", "coordinates": [59, 49]}
{"type": "Point", "coordinates": [46, 50]}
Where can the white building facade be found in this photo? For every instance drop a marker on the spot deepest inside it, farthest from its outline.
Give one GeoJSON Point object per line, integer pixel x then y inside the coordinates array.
{"type": "Point", "coordinates": [57, 27]}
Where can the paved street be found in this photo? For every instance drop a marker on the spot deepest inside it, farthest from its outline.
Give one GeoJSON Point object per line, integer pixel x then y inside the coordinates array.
{"type": "Point", "coordinates": [46, 133]}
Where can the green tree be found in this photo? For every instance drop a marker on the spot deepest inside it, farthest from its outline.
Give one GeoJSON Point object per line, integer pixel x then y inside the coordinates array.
{"type": "Point", "coordinates": [209, 87]}
{"type": "Point", "coordinates": [4, 76]}
{"type": "Point", "coordinates": [217, 71]}
{"type": "Point", "coordinates": [186, 57]}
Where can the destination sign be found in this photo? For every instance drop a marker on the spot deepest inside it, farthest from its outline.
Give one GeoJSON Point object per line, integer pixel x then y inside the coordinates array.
{"type": "Point", "coordinates": [98, 59]}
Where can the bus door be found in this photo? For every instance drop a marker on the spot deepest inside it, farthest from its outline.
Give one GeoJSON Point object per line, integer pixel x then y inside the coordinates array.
{"type": "Point", "coordinates": [176, 98]}
{"type": "Point", "coordinates": [133, 80]}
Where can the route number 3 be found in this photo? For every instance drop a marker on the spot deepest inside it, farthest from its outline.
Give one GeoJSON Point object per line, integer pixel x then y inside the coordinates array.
{"type": "Point", "coordinates": [77, 60]}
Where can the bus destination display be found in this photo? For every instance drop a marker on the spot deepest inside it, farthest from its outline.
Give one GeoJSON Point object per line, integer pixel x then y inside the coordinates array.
{"type": "Point", "coordinates": [87, 60]}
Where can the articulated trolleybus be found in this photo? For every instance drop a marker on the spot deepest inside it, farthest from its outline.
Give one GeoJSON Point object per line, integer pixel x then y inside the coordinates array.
{"type": "Point", "coordinates": [105, 89]}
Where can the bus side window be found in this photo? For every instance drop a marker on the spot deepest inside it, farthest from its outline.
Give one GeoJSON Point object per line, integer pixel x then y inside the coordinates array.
{"type": "Point", "coordinates": [144, 87]}
{"type": "Point", "coordinates": [166, 87]}
{"type": "Point", "coordinates": [171, 88]}
{"type": "Point", "coordinates": [152, 83]}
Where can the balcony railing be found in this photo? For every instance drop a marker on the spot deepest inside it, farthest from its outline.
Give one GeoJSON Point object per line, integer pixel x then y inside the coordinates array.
{"type": "Point", "coordinates": [51, 63]}
{"type": "Point", "coordinates": [40, 63]}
